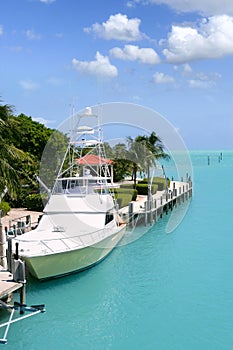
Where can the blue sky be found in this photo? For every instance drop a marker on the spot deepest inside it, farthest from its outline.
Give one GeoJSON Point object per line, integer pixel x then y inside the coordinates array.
{"type": "Point", "coordinates": [172, 56]}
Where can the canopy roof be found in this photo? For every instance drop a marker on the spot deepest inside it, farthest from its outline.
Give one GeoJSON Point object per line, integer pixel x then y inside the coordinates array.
{"type": "Point", "coordinates": [93, 159]}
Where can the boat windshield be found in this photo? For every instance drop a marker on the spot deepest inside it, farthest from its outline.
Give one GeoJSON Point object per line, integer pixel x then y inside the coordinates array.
{"type": "Point", "coordinates": [81, 186]}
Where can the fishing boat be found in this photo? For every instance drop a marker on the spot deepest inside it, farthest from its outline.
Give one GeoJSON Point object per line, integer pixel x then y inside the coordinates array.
{"type": "Point", "coordinates": [80, 224]}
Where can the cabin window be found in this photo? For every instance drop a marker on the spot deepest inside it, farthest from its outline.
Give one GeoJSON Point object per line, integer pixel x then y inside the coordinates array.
{"type": "Point", "coordinates": [108, 218]}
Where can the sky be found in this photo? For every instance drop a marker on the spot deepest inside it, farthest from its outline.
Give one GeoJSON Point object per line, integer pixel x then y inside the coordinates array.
{"type": "Point", "coordinates": [172, 56]}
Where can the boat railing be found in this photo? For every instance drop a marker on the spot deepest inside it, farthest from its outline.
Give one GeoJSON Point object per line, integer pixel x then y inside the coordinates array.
{"type": "Point", "coordinates": [73, 242]}
{"type": "Point", "coordinates": [81, 186]}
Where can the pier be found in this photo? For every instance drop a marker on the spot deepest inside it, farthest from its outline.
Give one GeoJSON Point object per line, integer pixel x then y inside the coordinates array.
{"type": "Point", "coordinates": [147, 209]}
{"type": "Point", "coordinates": [8, 285]}
{"type": "Point", "coordinates": [13, 279]}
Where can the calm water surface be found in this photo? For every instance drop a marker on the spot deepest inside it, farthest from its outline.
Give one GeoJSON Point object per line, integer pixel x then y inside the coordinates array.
{"type": "Point", "coordinates": [163, 291]}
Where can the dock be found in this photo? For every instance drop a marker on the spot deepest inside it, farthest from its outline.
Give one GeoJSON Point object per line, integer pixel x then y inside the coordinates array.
{"type": "Point", "coordinates": [148, 209]}
{"type": "Point", "coordinates": [13, 279]}
{"type": "Point", "coordinates": [8, 285]}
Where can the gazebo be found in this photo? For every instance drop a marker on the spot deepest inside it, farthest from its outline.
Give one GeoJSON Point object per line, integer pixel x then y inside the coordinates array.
{"type": "Point", "coordinates": [94, 161]}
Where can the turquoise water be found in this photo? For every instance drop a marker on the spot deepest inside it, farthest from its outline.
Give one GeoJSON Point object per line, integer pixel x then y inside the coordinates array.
{"type": "Point", "coordinates": [163, 291]}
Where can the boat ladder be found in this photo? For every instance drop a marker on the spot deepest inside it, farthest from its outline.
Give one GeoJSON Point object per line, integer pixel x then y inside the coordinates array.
{"type": "Point", "coordinates": [31, 311]}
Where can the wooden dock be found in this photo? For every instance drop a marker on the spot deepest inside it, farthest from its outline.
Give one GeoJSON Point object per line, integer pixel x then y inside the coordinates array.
{"type": "Point", "coordinates": [148, 210]}
{"type": "Point", "coordinates": [7, 285]}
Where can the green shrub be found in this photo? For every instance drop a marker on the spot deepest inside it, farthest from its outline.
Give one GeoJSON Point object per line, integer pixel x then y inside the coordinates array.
{"type": "Point", "coordinates": [160, 181]}
{"type": "Point", "coordinates": [5, 207]}
{"type": "Point", "coordinates": [125, 195]}
{"type": "Point", "coordinates": [142, 188]}
{"type": "Point", "coordinates": [130, 191]}
{"type": "Point", "coordinates": [34, 202]}
{"type": "Point", "coordinates": [127, 186]}
{"type": "Point", "coordinates": [123, 199]}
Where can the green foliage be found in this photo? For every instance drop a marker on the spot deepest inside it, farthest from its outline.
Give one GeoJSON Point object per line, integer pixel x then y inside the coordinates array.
{"type": "Point", "coordinates": [160, 181]}
{"type": "Point", "coordinates": [34, 202]}
{"type": "Point", "coordinates": [5, 207]}
{"type": "Point", "coordinates": [31, 136]}
{"type": "Point", "coordinates": [122, 164]}
{"type": "Point", "coordinates": [142, 188]}
{"type": "Point", "coordinates": [53, 155]}
{"type": "Point", "coordinates": [121, 168]}
{"type": "Point", "coordinates": [22, 142]}
{"type": "Point", "coordinates": [128, 186]}
{"type": "Point", "coordinates": [124, 196]}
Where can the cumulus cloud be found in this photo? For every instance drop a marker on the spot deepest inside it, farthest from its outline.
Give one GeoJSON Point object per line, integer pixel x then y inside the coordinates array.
{"type": "Point", "coordinates": [133, 53]}
{"type": "Point", "coordinates": [28, 85]}
{"type": "Point", "coordinates": [1, 30]}
{"type": "Point", "coordinates": [31, 35]}
{"type": "Point", "coordinates": [212, 38]}
{"type": "Point", "coordinates": [118, 27]}
{"type": "Point", "coordinates": [206, 7]}
{"type": "Point", "coordinates": [101, 67]}
{"type": "Point", "coordinates": [161, 78]}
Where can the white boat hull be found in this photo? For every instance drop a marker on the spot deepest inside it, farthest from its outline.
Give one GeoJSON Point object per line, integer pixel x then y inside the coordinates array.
{"type": "Point", "coordinates": [66, 262]}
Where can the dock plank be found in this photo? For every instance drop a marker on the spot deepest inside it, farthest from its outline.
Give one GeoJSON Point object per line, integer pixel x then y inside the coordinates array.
{"type": "Point", "coordinates": [7, 285]}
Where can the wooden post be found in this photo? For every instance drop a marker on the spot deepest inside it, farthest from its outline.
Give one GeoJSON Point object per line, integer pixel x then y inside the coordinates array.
{"type": "Point", "coordinates": [9, 254]}
{"type": "Point", "coordinates": [22, 298]}
{"type": "Point", "coordinates": [131, 214]}
{"type": "Point", "coordinates": [3, 260]}
{"type": "Point", "coordinates": [146, 212]}
{"type": "Point", "coordinates": [155, 216]}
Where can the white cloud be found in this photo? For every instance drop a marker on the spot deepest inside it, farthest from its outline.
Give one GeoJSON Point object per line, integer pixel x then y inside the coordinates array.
{"type": "Point", "coordinates": [118, 27]}
{"type": "Point", "coordinates": [161, 78]}
{"type": "Point", "coordinates": [187, 68]}
{"type": "Point", "coordinates": [47, 1]}
{"type": "Point", "coordinates": [206, 7]}
{"type": "Point", "coordinates": [200, 84]}
{"type": "Point", "coordinates": [30, 34]}
{"type": "Point", "coordinates": [133, 53]}
{"type": "Point", "coordinates": [28, 85]}
{"type": "Point", "coordinates": [1, 29]}
{"type": "Point", "coordinates": [101, 67]}
{"type": "Point", "coordinates": [201, 80]}
{"type": "Point", "coordinates": [212, 38]}
{"type": "Point", "coordinates": [41, 120]}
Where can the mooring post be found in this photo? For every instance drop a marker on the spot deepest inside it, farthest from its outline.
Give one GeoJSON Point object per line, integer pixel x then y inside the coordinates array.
{"type": "Point", "coordinates": [3, 260]}
{"type": "Point", "coordinates": [146, 211]}
{"type": "Point", "coordinates": [131, 214]}
{"type": "Point", "coordinates": [9, 254]}
{"type": "Point", "coordinates": [22, 298]}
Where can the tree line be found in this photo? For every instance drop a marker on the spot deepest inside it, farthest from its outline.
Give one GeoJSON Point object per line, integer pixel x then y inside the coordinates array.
{"type": "Point", "coordinates": [23, 140]}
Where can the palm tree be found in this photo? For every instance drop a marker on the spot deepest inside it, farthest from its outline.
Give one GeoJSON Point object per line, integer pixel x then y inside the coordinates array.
{"type": "Point", "coordinates": [136, 154]}
{"type": "Point", "coordinates": [9, 154]}
{"type": "Point", "coordinates": [154, 148]}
